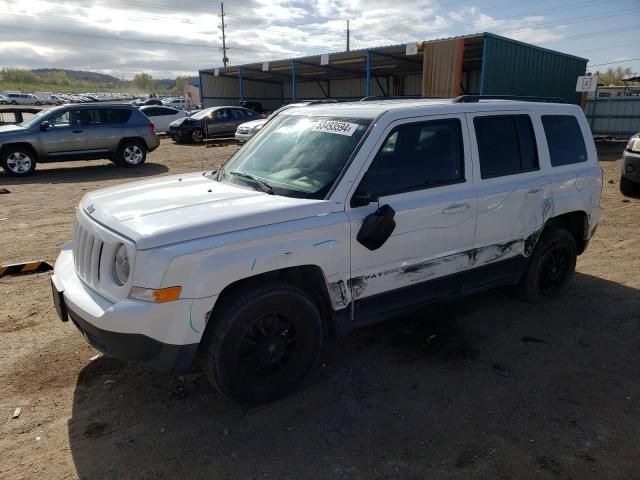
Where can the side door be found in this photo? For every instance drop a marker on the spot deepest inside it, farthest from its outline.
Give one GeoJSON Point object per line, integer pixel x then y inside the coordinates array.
{"type": "Point", "coordinates": [513, 193]}
{"type": "Point", "coordinates": [65, 136]}
{"type": "Point", "coordinates": [219, 123]}
{"type": "Point", "coordinates": [103, 135]}
{"type": "Point", "coordinates": [422, 169]}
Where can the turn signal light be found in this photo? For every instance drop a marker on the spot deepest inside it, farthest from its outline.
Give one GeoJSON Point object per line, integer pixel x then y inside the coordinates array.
{"type": "Point", "coordinates": [152, 129]}
{"type": "Point", "coordinates": [153, 295]}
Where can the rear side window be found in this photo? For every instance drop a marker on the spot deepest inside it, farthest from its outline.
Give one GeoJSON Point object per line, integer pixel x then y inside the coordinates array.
{"type": "Point", "coordinates": [506, 145]}
{"type": "Point", "coordinates": [417, 156]}
{"type": "Point", "coordinates": [564, 137]}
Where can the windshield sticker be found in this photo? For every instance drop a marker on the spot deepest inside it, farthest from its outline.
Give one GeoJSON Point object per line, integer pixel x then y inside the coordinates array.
{"type": "Point", "coordinates": [332, 126]}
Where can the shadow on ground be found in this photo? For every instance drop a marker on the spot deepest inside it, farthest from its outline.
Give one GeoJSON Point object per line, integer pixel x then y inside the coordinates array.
{"type": "Point", "coordinates": [486, 387]}
{"type": "Point", "coordinates": [88, 172]}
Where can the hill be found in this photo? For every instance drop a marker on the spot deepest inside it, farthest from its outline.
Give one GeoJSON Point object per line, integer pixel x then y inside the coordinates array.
{"type": "Point", "coordinates": [94, 77]}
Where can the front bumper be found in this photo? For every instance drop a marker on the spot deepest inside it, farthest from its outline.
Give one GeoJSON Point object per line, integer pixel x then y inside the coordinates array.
{"type": "Point", "coordinates": [243, 137]}
{"type": "Point", "coordinates": [164, 336]}
{"type": "Point", "coordinates": [631, 166]}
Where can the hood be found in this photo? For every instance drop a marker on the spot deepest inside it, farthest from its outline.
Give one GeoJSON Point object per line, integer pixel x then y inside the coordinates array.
{"type": "Point", "coordinates": [11, 129]}
{"type": "Point", "coordinates": [253, 123]}
{"type": "Point", "coordinates": [178, 208]}
{"type": "Point", "coordinates": [180, 121]}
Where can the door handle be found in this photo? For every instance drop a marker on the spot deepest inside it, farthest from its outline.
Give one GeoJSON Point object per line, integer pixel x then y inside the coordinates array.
{"type": "Point", "coordinates": [456, 208]}
{"type": "Point", "coordinates": [78, 131]}
{"type": "Point", "coordinates": [533, 191]}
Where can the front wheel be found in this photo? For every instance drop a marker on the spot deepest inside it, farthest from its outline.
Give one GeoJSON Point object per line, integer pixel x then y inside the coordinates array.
{"type": "Point", "coordinates": [551, 267]}
{"type": "Point", "coordinates": [197, 136]}
{"type": "Point", "coordinates": [262, 342]}
{"type": "Point", "coordinates": [18, 161]}
{"type": "Point", "coordinates": [132, 153]}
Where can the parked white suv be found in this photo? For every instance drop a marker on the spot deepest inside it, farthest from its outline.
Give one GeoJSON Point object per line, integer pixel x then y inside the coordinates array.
{"type": "Point", "coordinates": [332, 217]}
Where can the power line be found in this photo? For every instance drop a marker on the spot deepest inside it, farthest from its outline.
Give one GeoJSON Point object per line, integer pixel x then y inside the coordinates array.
{"type": "Point", "coordinates": [611, 63]}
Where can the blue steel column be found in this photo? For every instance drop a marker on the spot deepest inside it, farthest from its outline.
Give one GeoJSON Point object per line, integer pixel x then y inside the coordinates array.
{"type": "Point", "coordinates": [484, 60]}
{"type": "Point", "coordinates": [241, 86]}
{"type": "Point", "coordinates": [293, 81]}
{"type": "Point", "coordinates": [368, 73]}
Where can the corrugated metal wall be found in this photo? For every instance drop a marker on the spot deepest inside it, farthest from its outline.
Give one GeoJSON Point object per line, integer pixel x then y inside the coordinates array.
{"type": "Point", "coordinates": [218, 91]}
{"type": "Point", "coordinates": [614, 116]}
{"type": "Point", "coordinates": [514, 68]}
{"type": "Point", "coordinates": [343, 89]}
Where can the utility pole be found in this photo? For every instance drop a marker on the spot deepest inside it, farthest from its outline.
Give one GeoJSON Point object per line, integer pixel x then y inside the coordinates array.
{"type": "Point", "coordinates": [348, 43]}
{"type": "Point", "coordinates": [224, 38]}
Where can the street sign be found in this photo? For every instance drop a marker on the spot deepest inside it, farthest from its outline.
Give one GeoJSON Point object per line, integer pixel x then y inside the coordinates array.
{"type": "Point", "coordinates": [324, 59]}
{"type": "Point", "coordinates": [412, 48]}
{"type": "Point", "coordinates": [265, 66]}
{"type": "Point", "coordinates": [216, 72]}
{"type": "Point", "coordinates": [587, 83]}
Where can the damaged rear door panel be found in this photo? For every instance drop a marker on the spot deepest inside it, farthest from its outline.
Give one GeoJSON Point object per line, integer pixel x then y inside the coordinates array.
{"type": "Point", "coordinates": [514, 193]}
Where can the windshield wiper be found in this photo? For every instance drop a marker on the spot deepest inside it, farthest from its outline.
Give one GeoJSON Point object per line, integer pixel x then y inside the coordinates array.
{"type": "Point", "coordinates": [263, 186]}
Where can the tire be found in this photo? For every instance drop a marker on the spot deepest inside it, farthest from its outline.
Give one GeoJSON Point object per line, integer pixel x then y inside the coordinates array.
{"type": "Point", "coordinates": [18, 161]}
{"type": "Point", "coordinates": [13, 102]}
{"type": "Point", "coordinates": [628, 188]}
{"type": "Point", "coordinates": [551, 267]}
{"type": "Point", "coordinates": [132, 153]}
{"type": "Point", "coordinates": [197, 136]}
{"type": "Point", "coordinates": [262, 343]}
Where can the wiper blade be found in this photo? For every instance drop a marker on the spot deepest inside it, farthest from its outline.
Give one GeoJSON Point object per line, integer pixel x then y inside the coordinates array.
{"type": "Point", "coordinates": [263, 186]}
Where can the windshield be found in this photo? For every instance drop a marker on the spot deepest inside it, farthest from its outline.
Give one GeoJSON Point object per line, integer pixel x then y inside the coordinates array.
{"type": "Point", "coordinates": [37, 118]}
{"type": "Point", "coordinates": [296, 155]}
{"type": "Point", "coordinates": [202, 113]}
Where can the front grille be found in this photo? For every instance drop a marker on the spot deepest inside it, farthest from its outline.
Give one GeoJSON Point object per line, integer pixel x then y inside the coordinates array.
{"type": "Point", "coordinates": [87, 253]}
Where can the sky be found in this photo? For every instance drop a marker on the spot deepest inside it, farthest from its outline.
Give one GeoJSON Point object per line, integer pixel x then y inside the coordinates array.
{"type": "Point", "coordinates": [166, 39]}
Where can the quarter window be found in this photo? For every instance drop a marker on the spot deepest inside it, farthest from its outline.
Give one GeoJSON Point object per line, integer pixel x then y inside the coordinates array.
{"type": "Point", "coordinates": [564, 138]}
{"type": "Point", "coordinates": [417, 156]}
{"type": "Point", "coordinates": [506, 145]}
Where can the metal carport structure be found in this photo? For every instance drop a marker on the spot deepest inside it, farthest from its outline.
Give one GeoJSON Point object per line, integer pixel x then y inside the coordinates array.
{"type": "Point", "coordinates": [472, 64]}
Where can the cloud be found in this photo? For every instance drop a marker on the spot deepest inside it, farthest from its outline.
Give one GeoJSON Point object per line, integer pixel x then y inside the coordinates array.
{"type": "Point", "coordinates": [166, 39]}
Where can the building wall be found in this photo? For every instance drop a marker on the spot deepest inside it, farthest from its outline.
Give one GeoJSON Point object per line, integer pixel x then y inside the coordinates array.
{"type": "Point", "coordinates": [515, 68]}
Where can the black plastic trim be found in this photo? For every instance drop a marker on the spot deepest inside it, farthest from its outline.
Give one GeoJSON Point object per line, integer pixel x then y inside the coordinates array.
{"type": "Point", "coordinates": [135, 347]}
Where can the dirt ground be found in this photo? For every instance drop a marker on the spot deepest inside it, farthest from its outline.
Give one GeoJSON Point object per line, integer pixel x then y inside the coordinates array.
{"type": "Point", "coordinates": [485, 387]}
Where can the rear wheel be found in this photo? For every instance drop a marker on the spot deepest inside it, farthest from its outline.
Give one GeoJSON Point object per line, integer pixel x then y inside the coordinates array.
{"type": "Point", "coordinates": [551, 267]}
{"type": "Point", "coordinates": [627, 187]}
{"type": "Point", "coordinates": [18, 161]}
{"type": "Point", "coordinates": [262, 342]}
{"type": "Point", "coordinates": [132, 153]}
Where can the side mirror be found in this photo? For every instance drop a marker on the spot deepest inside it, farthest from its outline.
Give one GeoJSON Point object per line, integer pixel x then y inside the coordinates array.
{"type": "Point", "coordinates": [362, 196]}
{"type": "Point", "coordinates": [377, 228]}
{"type": "Point", "coordinates": [44, 126]}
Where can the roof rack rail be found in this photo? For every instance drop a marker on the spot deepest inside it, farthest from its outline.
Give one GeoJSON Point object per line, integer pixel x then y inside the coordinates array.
{"type": "Point", "coordinates": [400, 97]}
{"type": "Point", "coordinates": [521, 98]}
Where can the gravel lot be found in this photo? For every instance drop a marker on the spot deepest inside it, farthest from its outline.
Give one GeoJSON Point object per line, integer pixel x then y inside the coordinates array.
{"type": "Point", "coordinates": [485, 387]}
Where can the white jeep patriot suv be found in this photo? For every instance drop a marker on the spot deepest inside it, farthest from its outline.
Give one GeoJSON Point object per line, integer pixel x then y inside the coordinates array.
{"type": "Point", "coordinates": [331, 217]}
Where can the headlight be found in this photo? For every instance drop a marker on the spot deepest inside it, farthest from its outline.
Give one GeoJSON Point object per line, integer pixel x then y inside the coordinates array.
{"type": "Point", "coordinates": [634, 144]}
{"type": "Point", "coordinates": [121, 265]}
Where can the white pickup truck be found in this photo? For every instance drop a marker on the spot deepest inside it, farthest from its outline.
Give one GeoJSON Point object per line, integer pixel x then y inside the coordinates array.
{"type": "Point", "coordinates": [330, 218]}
